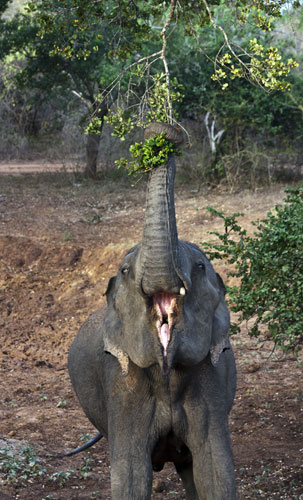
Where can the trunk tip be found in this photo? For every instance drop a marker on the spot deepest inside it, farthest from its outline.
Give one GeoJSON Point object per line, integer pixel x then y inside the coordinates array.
{"type": "Point", "coordinates": [173, 134]}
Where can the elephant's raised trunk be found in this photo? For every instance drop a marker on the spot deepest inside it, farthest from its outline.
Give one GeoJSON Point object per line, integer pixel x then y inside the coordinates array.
{"type": "Point", "coordinates": [160, 262]}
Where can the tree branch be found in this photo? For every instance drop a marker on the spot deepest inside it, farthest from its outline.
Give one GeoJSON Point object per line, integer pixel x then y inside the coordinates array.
{"type": "Point", "coordinates": [164, 43]}
{"type": "Point", "coordinates": [85, 101]}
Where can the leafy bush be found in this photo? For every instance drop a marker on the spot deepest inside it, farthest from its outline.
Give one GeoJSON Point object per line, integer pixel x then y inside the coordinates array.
{"type": "Point", "coordinates": [269, 266]}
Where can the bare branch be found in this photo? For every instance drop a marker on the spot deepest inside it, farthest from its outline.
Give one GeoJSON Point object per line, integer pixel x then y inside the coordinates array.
{"type": "Point", "coordinates": [85, 101]}
{"type": "Point", "coordinates": [155, 56]}
{"type": "Point", "coordinates": [164, 43]}
{"type": "Point", "coordinates": [214, 138]}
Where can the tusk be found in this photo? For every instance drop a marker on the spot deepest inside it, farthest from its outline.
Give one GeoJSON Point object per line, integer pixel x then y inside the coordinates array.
{"type": "Point", "coordinates": [182, 291]}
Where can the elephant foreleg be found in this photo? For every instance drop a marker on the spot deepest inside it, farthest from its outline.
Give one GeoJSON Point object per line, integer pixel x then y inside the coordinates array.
{"type": "Point", "coordinates": [131, 479]}
{"type": "Point", "coordinates": [130, 443]}
{"type": "Point", "coordinates": [213, 468]}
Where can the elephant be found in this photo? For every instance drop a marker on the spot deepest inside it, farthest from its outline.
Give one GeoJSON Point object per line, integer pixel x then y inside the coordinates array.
{"type": "Point", "coordinates": [154, 370]}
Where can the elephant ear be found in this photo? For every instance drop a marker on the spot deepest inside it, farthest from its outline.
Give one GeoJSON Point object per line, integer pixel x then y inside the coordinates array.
{"type": "Point", "coordinates": [112, 329]}
{"type": "Point", "coordinates": [221, 321]}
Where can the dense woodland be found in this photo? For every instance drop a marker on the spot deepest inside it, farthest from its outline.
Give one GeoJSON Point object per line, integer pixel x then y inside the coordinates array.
{"type": "Point", "coordinates": [244, 133]}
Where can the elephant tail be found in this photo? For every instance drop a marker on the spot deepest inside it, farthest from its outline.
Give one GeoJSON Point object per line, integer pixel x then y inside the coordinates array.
{"type": "Point", "coordinates": [85, 446]}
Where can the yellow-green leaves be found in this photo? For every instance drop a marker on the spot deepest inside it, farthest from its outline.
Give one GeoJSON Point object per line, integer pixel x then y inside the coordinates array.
{"type": "Point", "coordinates": [266, 66]}
{"type": "Point", "coordinates": [158, 97]}
{"type": "Point", "coordinates": [261, 65]}
{"type": "Point", "coordinates": [121, 121]}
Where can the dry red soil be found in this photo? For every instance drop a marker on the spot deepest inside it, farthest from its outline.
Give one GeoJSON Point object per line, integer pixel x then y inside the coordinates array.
{"type": "Point", "coordinates": [60, 242]}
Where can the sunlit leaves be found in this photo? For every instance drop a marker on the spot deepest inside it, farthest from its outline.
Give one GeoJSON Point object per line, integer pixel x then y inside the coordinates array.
{"type": "Point", "coordinates": [261, 65]}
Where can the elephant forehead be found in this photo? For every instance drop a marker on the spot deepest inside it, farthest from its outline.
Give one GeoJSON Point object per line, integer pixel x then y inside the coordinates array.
{"type": "Point", "coordinates": [192, 251]}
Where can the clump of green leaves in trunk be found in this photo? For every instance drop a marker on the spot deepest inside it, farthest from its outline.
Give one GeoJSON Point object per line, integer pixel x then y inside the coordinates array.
{"type": "Point", "coordinates": [269, 266]}
{"type": "Point", "coordinates": [149, 154]}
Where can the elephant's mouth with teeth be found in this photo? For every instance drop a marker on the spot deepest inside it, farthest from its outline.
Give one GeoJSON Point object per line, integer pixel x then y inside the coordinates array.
{"type": "Point", "coordinates": [165, 307]}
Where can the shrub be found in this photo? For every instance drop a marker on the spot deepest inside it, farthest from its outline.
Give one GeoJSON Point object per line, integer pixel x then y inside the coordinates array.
{"type": "Point", "coordinates": [269, 266]}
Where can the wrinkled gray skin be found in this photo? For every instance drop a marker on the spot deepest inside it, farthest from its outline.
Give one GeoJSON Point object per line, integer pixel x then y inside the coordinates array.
{"type": "Point", "coordinates": [156, 398]}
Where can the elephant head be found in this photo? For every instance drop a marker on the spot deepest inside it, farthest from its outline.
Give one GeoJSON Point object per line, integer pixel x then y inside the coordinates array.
{"type": "Point", "coordinates": [166, 305]}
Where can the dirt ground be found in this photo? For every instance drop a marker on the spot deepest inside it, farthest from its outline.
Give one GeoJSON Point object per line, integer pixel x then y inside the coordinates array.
{"type": "Point", "coordinates": [60, 242]}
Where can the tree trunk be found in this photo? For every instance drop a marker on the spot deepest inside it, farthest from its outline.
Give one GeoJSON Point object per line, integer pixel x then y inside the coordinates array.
{"type": "Point", "coordinates": [99, 110]}
{"type": "Point", "coordinates": [92, 150]}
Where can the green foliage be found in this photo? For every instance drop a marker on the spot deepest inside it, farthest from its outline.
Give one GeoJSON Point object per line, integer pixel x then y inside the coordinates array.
{"type": "Point", "coordinates": [87, 465]}
{"type": "Point", "coordinates": [148, 155]}
{"type": "Point", "coordinates": [160, 95]}
{"type": "Point", "coordinates": [62, 476]}
{"type": "Point", "coordinates": [26, 467]}
{"type": "Point", "coordinates": [138, 113]}
{"type": "Point", "coordinates": [51, 73]}
{"type": "Point", "coordinates": [4, 5]}
{"type": "Point", "coordinates": [121, 121]}
{"type": "Point", "coordinates": [255, 59]}
{"type": "Point", "coordinates": [265, 67]}
{"type": "Point", "coordinates": [20, 470]}
{"type": "Point", "coordinates": [270, 60]}
{"type": "Point", "coordinates": [134, 27]}
{"type": "Point", "coordinates": [101, 56]}
{"type": "Point", "coordinates": [131, 22]}
{"type": "Point", "coordinates": [269, 266]}
{"type": "Point", "coordinates": [242, 109]}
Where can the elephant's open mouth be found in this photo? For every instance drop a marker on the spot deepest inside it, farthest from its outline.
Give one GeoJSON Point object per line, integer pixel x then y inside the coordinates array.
{"type": "Point", "coordinates": [165, 307]}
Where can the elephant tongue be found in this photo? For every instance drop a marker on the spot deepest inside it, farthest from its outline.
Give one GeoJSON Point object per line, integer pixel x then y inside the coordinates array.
{"type": "Point", "coordinates": [164, 304]}
{"type": "Point", "coordinates": [164, 336]}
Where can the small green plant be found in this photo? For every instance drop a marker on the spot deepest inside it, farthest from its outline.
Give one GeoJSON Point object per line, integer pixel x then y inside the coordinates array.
{"type": "Point", "coordinates": [148, 155]}
{"type": "Point", "coordinates": [85, 436]}
{"type": "Point", "coordinates": [42, 396]}
{"type": "Point", "coordinates": [25, 467]}
{"type": "Point", "coordinates": [269, 266]}
{"type": "Point", "coordinates": [87, 465]}
{"type": "Point", "coordinates": [62, 476]}
{"type": "Point", "coordinates": [62, 403]}
{"type": "Point", "coordinates": [20, 469]}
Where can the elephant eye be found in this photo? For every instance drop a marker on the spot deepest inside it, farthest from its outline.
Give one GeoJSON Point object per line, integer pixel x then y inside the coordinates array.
{"type": "Point", "coordinates": [125, 270]}
{"type": "Point", "coordinates": [201, 265]}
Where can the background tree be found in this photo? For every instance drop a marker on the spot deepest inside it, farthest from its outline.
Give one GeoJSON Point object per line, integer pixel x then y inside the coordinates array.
{"type": "Point", "coordinates": [48, 74]}
{"type": "Point", "coordinates": [135, 24]}
{"type": "Point", "coordinates": [256, 124]}
{"type": "Point", "coordinates": [137, 55]}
